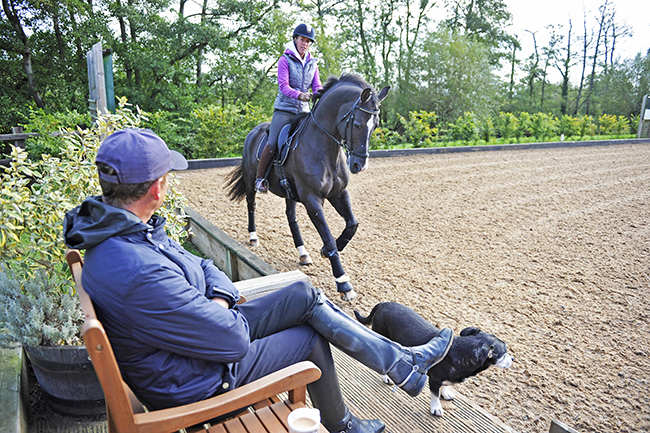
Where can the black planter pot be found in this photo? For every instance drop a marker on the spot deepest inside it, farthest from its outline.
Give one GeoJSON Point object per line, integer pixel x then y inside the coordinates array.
{"type": "Point", "coordinates": [67, 378]}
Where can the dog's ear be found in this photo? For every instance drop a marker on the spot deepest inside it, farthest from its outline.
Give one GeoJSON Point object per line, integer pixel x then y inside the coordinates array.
{"type": "Point", "coordinates": [469, 331]}
{"type": "Point", "coordinates": [487, 354]}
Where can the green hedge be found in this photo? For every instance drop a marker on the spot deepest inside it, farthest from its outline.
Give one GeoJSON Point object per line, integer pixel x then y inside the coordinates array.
{"type": "Point", "coordinates": [422, 130]}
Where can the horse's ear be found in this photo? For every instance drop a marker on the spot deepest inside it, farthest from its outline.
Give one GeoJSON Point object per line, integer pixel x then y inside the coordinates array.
{"type": "Point", "coordinates": [365, 95]}
{"type": "Point", "coordinates": [383, 93]}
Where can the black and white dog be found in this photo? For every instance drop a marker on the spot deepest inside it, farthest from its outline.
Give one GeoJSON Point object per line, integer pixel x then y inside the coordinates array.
{"type": "Point", "coordinates": [470, 354]}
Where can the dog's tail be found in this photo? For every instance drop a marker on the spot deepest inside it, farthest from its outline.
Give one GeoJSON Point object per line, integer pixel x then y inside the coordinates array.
{"type": "Point", "coordinates": [366, 320]}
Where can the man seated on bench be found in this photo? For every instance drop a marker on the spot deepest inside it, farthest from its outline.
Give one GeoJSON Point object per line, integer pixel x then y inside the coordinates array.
{"type": "Point", "coordinates": [178, 334]}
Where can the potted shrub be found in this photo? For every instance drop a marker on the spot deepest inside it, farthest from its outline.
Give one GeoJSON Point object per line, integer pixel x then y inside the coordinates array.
{"type": "Point", "coordinates": [38, 306]}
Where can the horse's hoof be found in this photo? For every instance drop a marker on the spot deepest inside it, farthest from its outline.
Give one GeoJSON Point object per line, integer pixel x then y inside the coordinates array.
{"type": "Point", "coordinates": [348, 296]}
{"type": "Point", "coordinates": [305, 260]}
{"type": "Point", "coordinates": [253, 240]}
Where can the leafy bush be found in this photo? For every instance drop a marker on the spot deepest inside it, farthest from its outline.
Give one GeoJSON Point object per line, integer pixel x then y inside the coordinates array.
{"type": "Point", "coordinates": [568, 125]}
{"type": "Point", "coordinates": [507, 125]}
{"type": "Point", "coordinates": [465, 128]}
{"type": "Point", "coordinates": [586, 125]}
{"type": "Point", "coordinates": [35, 312]}
{"type": "Point", "coordinates": [45, 124]}
{"type": "Point", "coordinates": [607, 124]}
{"type": "Point", "coordinates": [543, 126]}
{"type": "Point", "coordinates": [622, 126]}
{"type": "Point", "coordinates": [176, 129]}
{"type": "Point", "coordinates": [384, 138]}
{"type": "Point", "coordinates": [222, 130]}
{"type": "Point", "coordinates": [34, 196]}
{"type": "Point", "coordinates": [524, 126]}
{"type": "Point", "coordinates": [486, 129]}
{"type": "Point", "coordinates": [420, 129]}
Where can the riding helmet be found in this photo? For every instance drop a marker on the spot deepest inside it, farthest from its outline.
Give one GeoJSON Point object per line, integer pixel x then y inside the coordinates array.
{"type": "Point", "coordinates": [305, 30]}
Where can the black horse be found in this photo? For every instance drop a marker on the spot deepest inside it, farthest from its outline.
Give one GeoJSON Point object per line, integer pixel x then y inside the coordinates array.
{"type": "Point", "coordinates": [328, 144]}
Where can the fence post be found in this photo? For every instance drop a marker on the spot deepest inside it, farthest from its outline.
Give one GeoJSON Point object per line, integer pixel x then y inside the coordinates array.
{"type": "Point", "coordinates": [644, 119]}
{"type": "Point", "coordinates": [20, 142]}
{"type": "Point", "coordinates": [96, 82]}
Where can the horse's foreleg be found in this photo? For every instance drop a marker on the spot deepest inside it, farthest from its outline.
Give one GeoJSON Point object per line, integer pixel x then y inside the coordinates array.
{"type": "Point", "coordinates": [305, 258]}
{"type": "Point", "coordinates": [315, 210]}
{"type": "Point", "coordinates": [253, 240]}
{"type": "Point", "coordinates": [343, 206]}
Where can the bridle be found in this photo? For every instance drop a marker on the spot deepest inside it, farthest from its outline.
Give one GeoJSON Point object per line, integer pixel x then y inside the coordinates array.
{"type": "Point", "coordinates": [346, 143]}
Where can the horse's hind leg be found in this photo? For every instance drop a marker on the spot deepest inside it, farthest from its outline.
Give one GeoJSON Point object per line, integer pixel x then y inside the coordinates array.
{"type": "Point", "coordinates": [253, 240]}
{"type": "Point", "coordinates": [305, 258]}
{"type": "Point", "coordinates": [343, 206]}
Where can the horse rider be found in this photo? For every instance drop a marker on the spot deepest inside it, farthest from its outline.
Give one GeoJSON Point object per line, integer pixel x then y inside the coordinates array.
{"type": "Point", "coordinates": [297, 73]}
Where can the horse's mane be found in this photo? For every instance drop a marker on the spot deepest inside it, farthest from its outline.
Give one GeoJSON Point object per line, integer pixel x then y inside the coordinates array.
{"type": "Point", "coordinates": [345, 78]}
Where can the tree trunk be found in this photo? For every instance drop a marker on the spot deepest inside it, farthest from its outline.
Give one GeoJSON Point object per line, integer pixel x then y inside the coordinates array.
{"type": "Point", "coordinates": [564, 71]}
{"type": "Point", "coordinates": [14, 20]}
{"type": "Point", "coordinates": [134, 40]}
{"type": "Point", "coordinates": [199, 54]}
{"type": "Point", "coordinates": [125, 42]}
{"type": "Point", "coordinates": [584, 66]}
{"type": "Point", "coordinates": [513, 62]}
{"type": "Point", "coordinates": [77, 42]}
{"type": "Point", "coordinates": [533, 69]}
{"type": "Point", "coordinates": [592, 78]}
{"type": "Point", "coordinates": [368, 59]}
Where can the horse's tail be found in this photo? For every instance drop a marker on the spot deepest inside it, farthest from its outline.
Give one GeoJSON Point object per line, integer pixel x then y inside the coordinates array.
{"type": "Point", "coordinates": [235, 180]}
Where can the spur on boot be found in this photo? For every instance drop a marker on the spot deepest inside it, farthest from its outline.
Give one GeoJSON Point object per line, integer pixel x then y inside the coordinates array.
{"type": "Point", "coordinates": [411, 374]}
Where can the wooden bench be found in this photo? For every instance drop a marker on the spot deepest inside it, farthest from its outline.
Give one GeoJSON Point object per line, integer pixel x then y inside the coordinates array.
{"type": "Point", "coordinates": [264, 410]}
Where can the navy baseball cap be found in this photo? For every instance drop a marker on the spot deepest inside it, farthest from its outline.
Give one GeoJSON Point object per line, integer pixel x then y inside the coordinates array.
{"type": "Point", "coordinates": [137, 155]}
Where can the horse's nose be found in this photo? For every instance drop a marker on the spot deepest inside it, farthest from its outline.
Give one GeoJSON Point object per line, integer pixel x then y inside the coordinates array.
{"type": "Point", "coordinates": [356, 168]}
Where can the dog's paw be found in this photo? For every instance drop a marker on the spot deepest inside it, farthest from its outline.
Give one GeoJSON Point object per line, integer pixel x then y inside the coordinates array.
{"type": "Point", "coordinates": [447, 393]}
{"type": "Point", "coordinates": [436, 407]}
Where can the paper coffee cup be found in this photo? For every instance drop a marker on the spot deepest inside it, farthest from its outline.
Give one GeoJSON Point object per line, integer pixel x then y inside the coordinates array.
{"type": "Point", "coordinates": [304, 420]}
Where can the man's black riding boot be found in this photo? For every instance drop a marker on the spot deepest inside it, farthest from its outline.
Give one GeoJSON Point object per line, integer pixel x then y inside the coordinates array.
{"type": "Point", "coordinates": [263, 169]}
{"type": "Point", "coordinates": [406, 366]}
{"type": "Point", "coordinates": [326, 395]}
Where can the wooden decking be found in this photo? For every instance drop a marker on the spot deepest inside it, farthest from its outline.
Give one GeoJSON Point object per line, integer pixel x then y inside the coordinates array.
{"type": "Point", "coordinates": [368, 396]}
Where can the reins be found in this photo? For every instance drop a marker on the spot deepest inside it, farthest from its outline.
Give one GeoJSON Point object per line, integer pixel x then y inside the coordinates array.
{"type": "Point", "coordinates": [350, 121]}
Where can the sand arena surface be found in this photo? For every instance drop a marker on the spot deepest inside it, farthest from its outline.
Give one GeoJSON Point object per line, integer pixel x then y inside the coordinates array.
{"type": "Point", "coordinates": [548, 249]}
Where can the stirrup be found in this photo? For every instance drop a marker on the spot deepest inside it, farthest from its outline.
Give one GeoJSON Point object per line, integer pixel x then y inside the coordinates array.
{"type": "Point", "coordinates": [261, 185]}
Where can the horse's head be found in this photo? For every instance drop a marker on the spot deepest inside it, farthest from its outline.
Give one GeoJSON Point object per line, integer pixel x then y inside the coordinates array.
{"type": "Point", "coordinates": [358, 123]}
{"type": "Point", "coordinates": [349, 111]}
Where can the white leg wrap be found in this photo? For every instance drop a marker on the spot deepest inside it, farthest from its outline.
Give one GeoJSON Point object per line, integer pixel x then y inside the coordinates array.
{"type": "Point", "coordinates": [302, 251]}
{"type": "Point", "coordinates": [342, 279]}
{"type": "Point", "coordinates": [253, 236]}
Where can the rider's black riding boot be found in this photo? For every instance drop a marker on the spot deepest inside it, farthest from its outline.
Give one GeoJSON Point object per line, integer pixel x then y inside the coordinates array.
{"type": "Point", "coordinates": [326, 395]}
{"type": "Point", "coordinates": [263, 169]}
{"type": "Point", "coordinates": [406, 366]}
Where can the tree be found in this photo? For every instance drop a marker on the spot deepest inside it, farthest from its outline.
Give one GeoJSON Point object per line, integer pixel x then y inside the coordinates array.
{"type": "Point", "coordinates": [483, 20]}
{"type": "Point", "coordinates": [604, 13]}
{"type": "Point", "coordinates": [456, 76]}
{"type": "Point", "coordinates": [15, 12]}
{"type": "Point", "coordinates": [563, 64]}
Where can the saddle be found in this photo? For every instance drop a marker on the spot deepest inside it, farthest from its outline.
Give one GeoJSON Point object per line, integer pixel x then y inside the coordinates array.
{"type": "Point", "coordinates": [285, 140]}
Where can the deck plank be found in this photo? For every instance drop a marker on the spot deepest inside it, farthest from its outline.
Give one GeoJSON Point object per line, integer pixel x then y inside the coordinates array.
{"type": "Point", "coordinates": [368, 397]}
